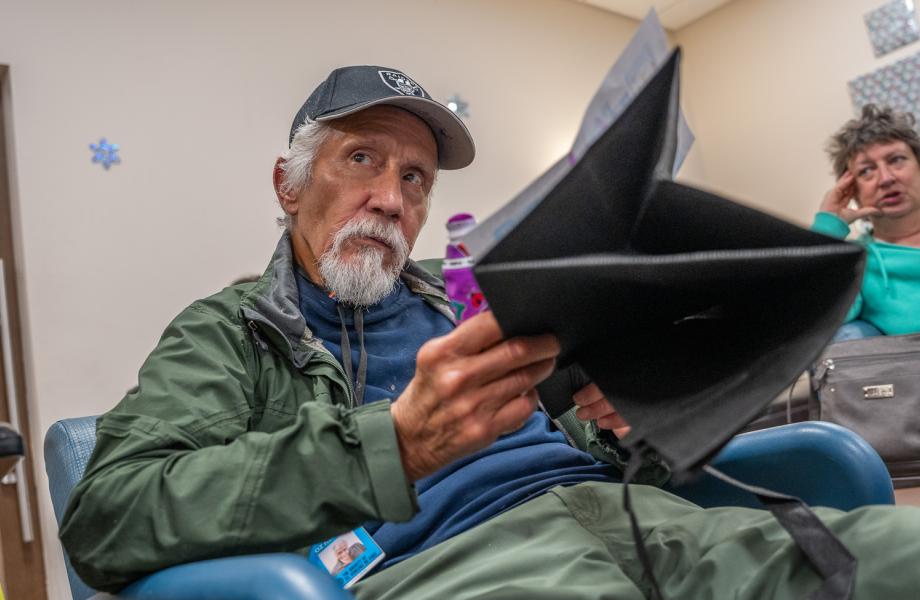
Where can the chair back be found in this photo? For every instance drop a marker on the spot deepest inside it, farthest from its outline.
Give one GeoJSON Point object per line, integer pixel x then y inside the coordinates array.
{"type": "Point", "coordinates": [68, 446]}
{"type": "Point", "coordinates": [11, 448]}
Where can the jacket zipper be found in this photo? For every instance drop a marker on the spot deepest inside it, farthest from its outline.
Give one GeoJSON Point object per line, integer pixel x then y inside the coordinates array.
{"type": "Point", "coordinates": [349, 387]}
{"type": "Point", "coordinates": [327, 358]}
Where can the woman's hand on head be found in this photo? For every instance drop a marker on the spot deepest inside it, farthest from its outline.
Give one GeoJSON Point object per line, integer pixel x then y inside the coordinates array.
{"type": "Point", "coordinates": [837, 200]}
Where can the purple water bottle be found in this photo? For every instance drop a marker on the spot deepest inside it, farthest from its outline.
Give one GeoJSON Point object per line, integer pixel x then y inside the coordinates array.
{"type": "Point", "coordinates": [466, 299]}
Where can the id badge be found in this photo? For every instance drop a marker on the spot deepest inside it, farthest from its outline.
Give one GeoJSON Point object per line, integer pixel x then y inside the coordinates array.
{"type": "Point", "coordinates": [347, 557]}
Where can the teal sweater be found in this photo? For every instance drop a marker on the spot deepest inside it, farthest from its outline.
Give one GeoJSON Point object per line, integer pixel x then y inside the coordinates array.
{"type": "Point", "coordinates": [890, 294]}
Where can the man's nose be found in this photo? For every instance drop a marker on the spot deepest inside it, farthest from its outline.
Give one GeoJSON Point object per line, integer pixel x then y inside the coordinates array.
{"type": "Point", "coordinates": [387, 195]}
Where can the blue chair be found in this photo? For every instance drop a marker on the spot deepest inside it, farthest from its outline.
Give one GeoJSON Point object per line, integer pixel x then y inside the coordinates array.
{"type": "Point", "coordinates": [68, 446]}
{"type": "Point", "coordinates": [856, 330]}
{"type": "Point", "coordinates": [11, 448]}
{"type": "Point", "coordinates": [822, 463]}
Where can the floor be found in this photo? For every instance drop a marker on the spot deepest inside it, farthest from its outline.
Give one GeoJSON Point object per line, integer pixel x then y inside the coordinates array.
{"type": "Point", "coordinates": [909, 496]}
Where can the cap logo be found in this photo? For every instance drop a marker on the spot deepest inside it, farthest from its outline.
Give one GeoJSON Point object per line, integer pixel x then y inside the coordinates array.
{"type": "Point", "coordinates": [400, 83]}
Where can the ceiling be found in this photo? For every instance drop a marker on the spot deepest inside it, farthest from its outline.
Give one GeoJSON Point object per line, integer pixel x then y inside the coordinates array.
{"type": "Point", "coordinates": [674, 14]}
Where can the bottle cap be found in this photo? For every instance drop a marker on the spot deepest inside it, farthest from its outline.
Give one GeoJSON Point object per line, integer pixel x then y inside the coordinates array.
{"type": "Point", "coordinates": [459, 225]}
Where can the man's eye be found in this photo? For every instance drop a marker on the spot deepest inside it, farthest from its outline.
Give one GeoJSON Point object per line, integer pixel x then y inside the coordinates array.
{"type": "Point", "coordinates": [360, 157]}
{"type": "Point", "coordinates": [413, 178]}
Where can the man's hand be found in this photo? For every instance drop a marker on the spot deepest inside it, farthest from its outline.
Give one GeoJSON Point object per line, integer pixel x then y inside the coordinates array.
{"type": "Point", "coordinates": [593, 405]}
{"type": "Point", "coordinates": [837, 200]}
{"type": "Point", "coordinates": [470, 387]}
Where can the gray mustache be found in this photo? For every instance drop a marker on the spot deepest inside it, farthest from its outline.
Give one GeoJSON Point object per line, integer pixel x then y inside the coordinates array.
{"type": "Point", "coordinates": [385, 232]}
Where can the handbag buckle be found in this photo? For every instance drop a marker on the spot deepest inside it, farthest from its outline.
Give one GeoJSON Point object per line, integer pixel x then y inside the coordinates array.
{"type": "Point", "coordinates": [876, 392]}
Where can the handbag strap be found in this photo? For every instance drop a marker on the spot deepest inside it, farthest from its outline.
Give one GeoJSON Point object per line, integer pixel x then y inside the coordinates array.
{"type": "Point", "coordinates": [826, 553]}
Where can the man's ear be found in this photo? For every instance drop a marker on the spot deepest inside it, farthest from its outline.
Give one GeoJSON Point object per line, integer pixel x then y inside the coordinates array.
{"type": "Point", "coordinates": [287, 200]}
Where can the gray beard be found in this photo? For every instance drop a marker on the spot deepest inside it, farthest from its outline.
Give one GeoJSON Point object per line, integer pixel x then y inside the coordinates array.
{"type": "Point", "coordinates": [364, 280]}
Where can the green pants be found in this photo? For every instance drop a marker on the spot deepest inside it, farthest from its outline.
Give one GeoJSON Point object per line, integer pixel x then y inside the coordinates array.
{"type": "Point", "coordinates": [575, 542]}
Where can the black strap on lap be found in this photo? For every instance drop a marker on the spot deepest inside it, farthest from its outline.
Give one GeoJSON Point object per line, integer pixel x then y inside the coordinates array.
{"type": "Point", "coordinates": [632, 467]}
{"type": "Point", "coordinates": [826, 553]}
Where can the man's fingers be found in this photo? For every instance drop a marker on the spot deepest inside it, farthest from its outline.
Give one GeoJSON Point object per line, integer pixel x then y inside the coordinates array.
{"type": "Point", "coordinates": [475, 334]}
{"type": "Point", "coordinates": [489, 356]}
{"type": "Point", "coordinates": [593, 405]}
{"type": "Point", "coordinates": [620, 431]}
{"type": "Point", "coordinates": [612, 421]}
{"type": "Point", "coordinates": [597, 410]}
{"type": "Point", "coordinates": [491, 397]}
{"type": "Point", "coordinates": [588, 395]}
{"type": "Point", "coordinates": [514, 413]}
{"type": "Point", "coordinates": [605, 416]}
{"type": "Point", "coordinates": [470, 386]}
{"type": "Point", "coordinates": [508, 356]}
{"type": "Point", "coordinates": [454, 372]}
{"type": "Point", "coordinates": [594, 410]}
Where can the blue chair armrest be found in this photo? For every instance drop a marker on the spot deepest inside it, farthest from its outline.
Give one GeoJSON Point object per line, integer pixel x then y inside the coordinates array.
{"type": "Point", "coordinates": [821, 463]}
{"type": "Point", "coordinates": [252, 577]}
{"type": "Point", "coordinates": [68, 446]}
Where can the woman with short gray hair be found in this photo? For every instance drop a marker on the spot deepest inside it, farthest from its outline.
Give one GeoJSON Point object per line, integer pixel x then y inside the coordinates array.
{"type": "Point", "coordinates": [877, 162]}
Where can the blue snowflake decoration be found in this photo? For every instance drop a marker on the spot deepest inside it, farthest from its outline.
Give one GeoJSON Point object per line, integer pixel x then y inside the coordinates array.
{"type": "Point", "coordinates": [459, 106]}
{"type": "Point", "coordinates": [105, 153]}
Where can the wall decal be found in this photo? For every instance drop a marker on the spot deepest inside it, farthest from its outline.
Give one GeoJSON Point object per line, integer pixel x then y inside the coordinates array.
{"type": "Point", "coordinates": [896, 85]}
{"type": "Point", "coordinates": [892, 26]}
{"type": "Point", "coordinates": [105, 153]}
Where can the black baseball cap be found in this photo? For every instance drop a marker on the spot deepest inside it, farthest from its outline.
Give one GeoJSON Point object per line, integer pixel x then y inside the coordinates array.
{"type": "Point", "coordinates": [348, 90]}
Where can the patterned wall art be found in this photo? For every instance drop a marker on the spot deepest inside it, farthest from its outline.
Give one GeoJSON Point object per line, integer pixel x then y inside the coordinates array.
{"type": "Point", "coordinates": [896, 85]}
{"type": "Point", "coordinates": [892, 26]}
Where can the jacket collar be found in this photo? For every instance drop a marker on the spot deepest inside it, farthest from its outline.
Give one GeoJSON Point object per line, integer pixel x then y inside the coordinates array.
{"type": "Point", "coordinates": [272, 307]}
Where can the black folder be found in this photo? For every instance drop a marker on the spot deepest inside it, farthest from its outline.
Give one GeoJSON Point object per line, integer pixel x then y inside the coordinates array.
{"type": "Point", "coordinates": [691, 312]}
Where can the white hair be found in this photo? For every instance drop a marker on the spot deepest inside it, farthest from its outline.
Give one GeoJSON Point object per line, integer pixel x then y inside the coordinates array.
{"type": "Point", "coordinates": [297, 163]}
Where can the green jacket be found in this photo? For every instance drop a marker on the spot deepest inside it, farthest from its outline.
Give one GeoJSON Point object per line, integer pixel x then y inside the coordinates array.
{"type": "Point", "coordinates": [890, 292]}
{"type": "Point", "coordinates": [242, 437]}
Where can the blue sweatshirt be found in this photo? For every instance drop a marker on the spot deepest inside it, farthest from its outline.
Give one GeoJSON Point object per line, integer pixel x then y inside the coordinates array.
{"type": "Point", "coordinates": [518, 466]}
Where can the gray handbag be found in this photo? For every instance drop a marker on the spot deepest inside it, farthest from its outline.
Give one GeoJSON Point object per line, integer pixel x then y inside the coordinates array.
{"type": "Point", "coordinates": [872, 386]}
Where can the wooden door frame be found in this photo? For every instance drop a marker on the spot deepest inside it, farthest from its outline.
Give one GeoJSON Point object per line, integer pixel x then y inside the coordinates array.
{"type": "Point", "coordinates": [24, 567]}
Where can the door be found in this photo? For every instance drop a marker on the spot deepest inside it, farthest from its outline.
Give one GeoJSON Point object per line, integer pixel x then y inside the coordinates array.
{"type": "Point", "coordinates": [23, 571]}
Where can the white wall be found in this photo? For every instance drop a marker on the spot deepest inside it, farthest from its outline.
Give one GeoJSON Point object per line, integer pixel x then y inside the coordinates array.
{"type": "Point", "coordinates": [200, 96]}
{"type": "Point", "coordinates": [765, 86]}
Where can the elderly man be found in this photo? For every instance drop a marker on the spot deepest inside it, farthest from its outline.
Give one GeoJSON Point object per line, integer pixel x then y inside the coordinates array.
{"type": "Point", "coordinates": [336, 394]}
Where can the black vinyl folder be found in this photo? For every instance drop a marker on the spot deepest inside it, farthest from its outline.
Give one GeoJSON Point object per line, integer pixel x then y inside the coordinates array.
{"type": "Point", "coordinates": [689, 311]}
